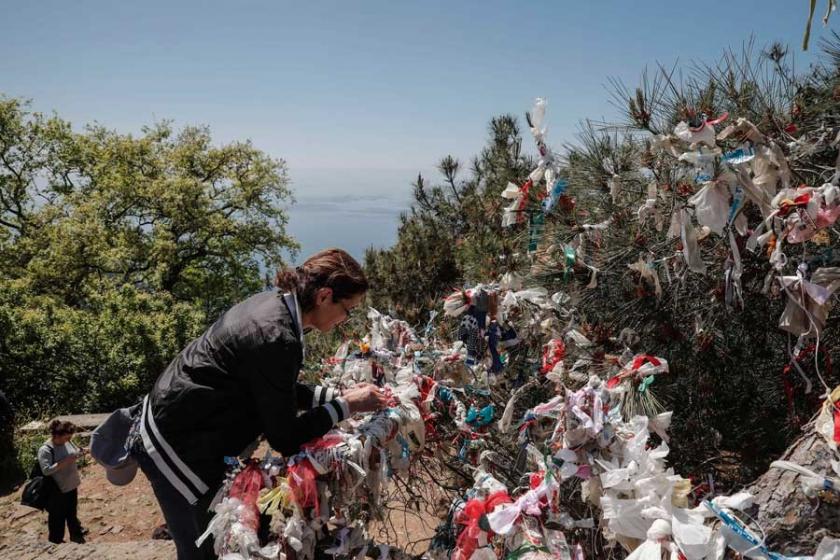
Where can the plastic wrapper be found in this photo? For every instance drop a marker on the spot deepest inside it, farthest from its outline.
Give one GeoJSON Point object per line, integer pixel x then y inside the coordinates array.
{"type": "Point", "coordinates": [711, 205]}
{"type": "Point", "coordinates": [704, 134]}
{"type": "Point", "coordinates": [742, 129]}
{"type": "Point", "coordinates": [828, 549]}
{"type": "Point", "coordinates": [690, 534]}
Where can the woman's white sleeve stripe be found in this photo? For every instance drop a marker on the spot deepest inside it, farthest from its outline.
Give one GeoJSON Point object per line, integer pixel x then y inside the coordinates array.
{"type": "Point", "coordinates": [199, 484]}
{"type": "Point", "coordinates": [331, 408]}
{"type": "Point", "coordinates": [173, 478]}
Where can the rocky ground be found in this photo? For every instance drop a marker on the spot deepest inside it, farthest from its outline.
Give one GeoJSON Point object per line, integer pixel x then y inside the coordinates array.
{"type": "Point", "coordinates": [38, 549]}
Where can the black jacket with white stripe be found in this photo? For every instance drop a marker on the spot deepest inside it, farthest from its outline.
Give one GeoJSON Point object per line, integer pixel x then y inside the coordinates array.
{"type": "Point", "coordinates": [235, 382]}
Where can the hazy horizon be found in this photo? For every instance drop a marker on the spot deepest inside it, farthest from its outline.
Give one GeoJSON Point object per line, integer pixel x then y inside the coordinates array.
{"type": "Point", "coordinates": [364, 212]}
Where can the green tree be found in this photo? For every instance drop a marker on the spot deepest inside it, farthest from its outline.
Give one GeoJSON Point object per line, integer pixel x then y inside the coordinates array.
{"type": "Point", "coordinates": [165, 211]}
{"type": "Point", "coordinates": [452, 233]}
{"type": "Point", "coordinates": [116, 249]}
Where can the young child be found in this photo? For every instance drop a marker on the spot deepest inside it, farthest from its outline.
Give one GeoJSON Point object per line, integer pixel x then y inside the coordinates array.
{"type": "Point", "coordinates": [57, 458]}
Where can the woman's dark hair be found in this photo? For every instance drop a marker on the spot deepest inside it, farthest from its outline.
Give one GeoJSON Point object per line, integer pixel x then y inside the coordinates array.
{"type": "Point", "coordinates": [59, 428]}
{"type": "Point", "coordinates": [330, 268]}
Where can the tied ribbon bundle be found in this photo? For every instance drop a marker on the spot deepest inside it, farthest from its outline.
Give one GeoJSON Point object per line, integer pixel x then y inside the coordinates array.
{"type": "Point", "coordinates": [515, 213]}
{"type": "Point", "coordinates": [537, 225]}
{"type": "Point", "coordinates": [275, 500]}
{"type": "Point", "coordinates": [643, 365]}
{"type": "Point", "coordinates": [302, 477]}
{"type": "Point", "coordinates": [535, 481]}
{"type": "Point", "coordinates": [246, 488]}
{"type": "Point", "coordinates": [234, 525]}
{"type": "Point", "coordinates": [480, 418]}
{"type": "Point", "coordinates": [524, 192]}
{"type": "Point", "coordinates": [713, 122]}
{"type": "Point", "coordinates": [473, 517]}
{"type": "Point", "coordinates": [558, 191]}
{"type": "Point", "coordinates": [553, 354]}
{"type": "Point", "coordinates": [457, 303]}
{"type": "Point", "coordinates": [787, 205]}
{"type": "Point", "coordinates": [570, 258]}
{"type": "Point", "coordinates": [428, 388]}
{"type": "Point", "coordinates": [703, 133]}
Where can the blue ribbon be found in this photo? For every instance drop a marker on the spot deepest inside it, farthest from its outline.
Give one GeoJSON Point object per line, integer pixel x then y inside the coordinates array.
{"type": "Point", "coordinates": [737, 201]}
{"type": "Point", "coordinates": [739, 529]}
{"type": "Point", "coordinates": [480, 418]}
{"type": "Point", "coordinates": [556, 192]}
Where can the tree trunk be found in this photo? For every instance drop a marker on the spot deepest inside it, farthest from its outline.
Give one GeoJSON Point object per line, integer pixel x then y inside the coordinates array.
{"type": "Point", "coordinates": [794, 523]}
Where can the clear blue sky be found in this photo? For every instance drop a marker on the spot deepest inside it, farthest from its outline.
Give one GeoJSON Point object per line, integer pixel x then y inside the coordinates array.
{"type": "Point", "coordinates": [359, 96]}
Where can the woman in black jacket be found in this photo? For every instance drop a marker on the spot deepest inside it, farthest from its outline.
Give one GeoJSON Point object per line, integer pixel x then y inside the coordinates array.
{"type": "Point", "coordinates": [238, 381]}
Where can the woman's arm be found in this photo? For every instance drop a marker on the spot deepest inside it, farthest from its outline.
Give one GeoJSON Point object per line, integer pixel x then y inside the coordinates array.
{"type": "Point", "coordinates": [272, 379]}
{"type": "Point", "coordinates": [310, 396]}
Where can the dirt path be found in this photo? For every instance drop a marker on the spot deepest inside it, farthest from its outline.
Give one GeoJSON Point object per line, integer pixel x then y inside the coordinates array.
{"type": "Point", "coordinates": [120, 521]}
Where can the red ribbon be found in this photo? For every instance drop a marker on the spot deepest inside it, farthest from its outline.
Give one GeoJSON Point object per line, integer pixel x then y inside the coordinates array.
{"type": "Point", "coordinates": [325, 442]}
{"type": "Point", "coordinates": [787, 383]}
{"type": "Point", "coordinates": [496, 499]}
{"type": "Point", "coordinates": [643, 359]}
{"type": "Point", "coordinates": [468, 538]}
{"type": "Point", "coordinates": [788, 387]}
{"type": "Point", "coordinates": [554, 353]}
{"type": "Point", "coordinates": [302, 477]}
{"type": "Point", "coordinates": [787, 205]}
{"type": "Point", "coordinates": [718, 120]}
{"type": "Point", "coordinates": [471, 518]}
{"type": "Point", "coordinates": [426, 385]}
{"type": "Point", "coordinates": [712, 122]}
{"type": "Point", "coordinates": [613, 382]}
{"type": "Point", "coordinates": [836, 423]}
{"type": "Point", "coordinates": [246, 488]}
{"type": "Point", "coordinates": [524, 190]}
{"type": "Point", "coordinates": [638, 362]}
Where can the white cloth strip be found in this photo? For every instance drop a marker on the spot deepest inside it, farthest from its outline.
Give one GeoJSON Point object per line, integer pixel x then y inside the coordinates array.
{"type": "Point", "coordinates": [333, 410]}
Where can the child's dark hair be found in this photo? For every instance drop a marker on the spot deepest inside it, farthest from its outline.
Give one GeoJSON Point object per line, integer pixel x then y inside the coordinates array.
{"type": "Point", "coordinates": [61, 428]}
{"type": "Point", "coordinates": [330, 268]}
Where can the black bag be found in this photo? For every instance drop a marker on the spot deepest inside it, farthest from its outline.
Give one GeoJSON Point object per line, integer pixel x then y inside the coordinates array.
{"type": "Point", "coordinates": [39, 488]}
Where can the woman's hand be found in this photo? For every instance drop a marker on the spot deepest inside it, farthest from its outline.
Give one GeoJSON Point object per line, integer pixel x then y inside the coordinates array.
{"type": "Point", "coordinates": [365, 397]}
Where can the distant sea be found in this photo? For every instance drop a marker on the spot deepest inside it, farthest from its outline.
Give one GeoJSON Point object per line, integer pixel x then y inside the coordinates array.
{"type": "Point", "coordinates": [349, 208]}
